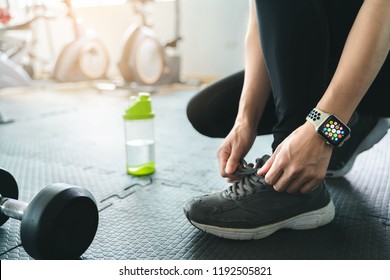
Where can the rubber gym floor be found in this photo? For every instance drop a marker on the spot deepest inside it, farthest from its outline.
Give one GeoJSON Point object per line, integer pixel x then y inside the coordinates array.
{"type": "Point", "coordinates": [76, 136]}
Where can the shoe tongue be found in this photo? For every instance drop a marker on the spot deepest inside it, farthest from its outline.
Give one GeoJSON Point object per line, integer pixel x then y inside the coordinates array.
{"type": "Point", "coordinates": [250, 182]}
{"type": "Point", "coordinates": [261, 161]}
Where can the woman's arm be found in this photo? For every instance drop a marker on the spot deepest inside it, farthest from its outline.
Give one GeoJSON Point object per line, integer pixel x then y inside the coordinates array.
{"type": "Point", "coordinates": [255, 93]}
{"type": "Point", "coordinates": [364, 53]}
{"type": "Point", "coordinates": [301, 160]}
{"type": "Point", "coordinates": [257, 88]}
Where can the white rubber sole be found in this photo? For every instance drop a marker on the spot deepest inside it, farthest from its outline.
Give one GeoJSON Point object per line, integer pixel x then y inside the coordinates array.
{"type": "Point", "coordinates": [308, 220]}
{"type": "Point", "coordinates": [377, 133]}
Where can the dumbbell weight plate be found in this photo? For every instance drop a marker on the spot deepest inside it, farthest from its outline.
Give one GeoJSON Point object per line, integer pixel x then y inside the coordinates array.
{"type": "Point", "coordinates": [8, 188]}
{"type": "Point", "coordinates": [60, 223]}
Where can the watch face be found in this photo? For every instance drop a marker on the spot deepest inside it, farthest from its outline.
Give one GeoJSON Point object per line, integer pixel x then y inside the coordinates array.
{"type": "Point", "coordinates": [334, 131]}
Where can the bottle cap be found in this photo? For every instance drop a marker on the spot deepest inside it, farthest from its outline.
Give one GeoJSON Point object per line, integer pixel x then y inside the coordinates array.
{"type": "Point", "coordinates": [140, 108]}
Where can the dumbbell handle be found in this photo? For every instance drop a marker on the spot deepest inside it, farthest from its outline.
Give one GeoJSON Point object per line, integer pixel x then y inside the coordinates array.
{"type": "Point", "coordinates": [12, 208]}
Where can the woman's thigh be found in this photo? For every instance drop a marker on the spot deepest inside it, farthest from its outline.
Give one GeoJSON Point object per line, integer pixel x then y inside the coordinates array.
{"type": "Point", "coordinates": [213, 110]}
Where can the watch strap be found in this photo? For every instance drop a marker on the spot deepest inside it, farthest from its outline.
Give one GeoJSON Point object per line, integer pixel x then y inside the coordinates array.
{"type": "Point", "coordinates": [317, 117]}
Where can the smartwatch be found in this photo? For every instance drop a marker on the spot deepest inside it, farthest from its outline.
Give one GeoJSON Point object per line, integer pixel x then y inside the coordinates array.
{"type": "Point", "coordinates": [329, 127]}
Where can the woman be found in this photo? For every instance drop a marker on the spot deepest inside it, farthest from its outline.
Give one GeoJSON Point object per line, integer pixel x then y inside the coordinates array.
{"type": "Point", "coordinates": [316, 77]}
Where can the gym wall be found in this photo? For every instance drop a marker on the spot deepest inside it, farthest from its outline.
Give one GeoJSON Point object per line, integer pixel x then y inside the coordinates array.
{"type": "Point", "coordinates": [213, 33]}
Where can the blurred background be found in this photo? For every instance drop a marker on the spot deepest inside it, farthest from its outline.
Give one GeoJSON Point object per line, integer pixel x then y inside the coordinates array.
{"type": "Point", "coordinates": [120, 41]}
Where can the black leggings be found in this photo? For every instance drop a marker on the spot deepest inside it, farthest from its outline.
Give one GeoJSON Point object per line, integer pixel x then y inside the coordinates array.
{"type": "Point", "coordinates": [302, 42]}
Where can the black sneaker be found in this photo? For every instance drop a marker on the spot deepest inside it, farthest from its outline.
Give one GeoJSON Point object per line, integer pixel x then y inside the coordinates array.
{"type": "Point", "coordinates": [366, 131]}
{"type": "Point", "coordinates": [251, 209]}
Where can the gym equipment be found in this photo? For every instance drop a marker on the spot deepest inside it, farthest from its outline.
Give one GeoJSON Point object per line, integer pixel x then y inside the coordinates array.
{"type": "Point", "coordinates": [144, 59]}
{"type": "Point", "coordinates": [5, 15]}
{"type": "Point", "coordinates": [85, 58]}
{"type": "Point", "coordinates": [59, 223]}
{"type": "Point", "coordinates": [4, 120]}
{"type": "Point", "coordinates": [12, 73]}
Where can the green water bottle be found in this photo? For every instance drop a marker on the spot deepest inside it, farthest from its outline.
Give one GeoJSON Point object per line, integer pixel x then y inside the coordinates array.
{"type": "Point", "coordinates": [139, 135]}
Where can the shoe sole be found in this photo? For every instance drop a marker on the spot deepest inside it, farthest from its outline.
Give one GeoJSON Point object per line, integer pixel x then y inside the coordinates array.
{"type": "Point", "coordinates": [376, 134]}
{"type": "Point", "coordinates": [308, 220]}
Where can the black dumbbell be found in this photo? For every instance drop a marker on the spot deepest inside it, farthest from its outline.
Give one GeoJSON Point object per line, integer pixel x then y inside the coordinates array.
{"type": "Point", "coordinates": [59, 223]}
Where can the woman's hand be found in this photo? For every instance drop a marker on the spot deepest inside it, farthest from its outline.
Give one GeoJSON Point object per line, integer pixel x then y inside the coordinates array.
{"type": "Point", "coordinates": [299, 163]}
{"type": "Point", "coordinates": [235, 146]}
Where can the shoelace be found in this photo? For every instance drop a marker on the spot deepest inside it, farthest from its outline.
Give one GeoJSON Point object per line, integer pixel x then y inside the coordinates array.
{"type": "Point", "coordinates": [249, 181]}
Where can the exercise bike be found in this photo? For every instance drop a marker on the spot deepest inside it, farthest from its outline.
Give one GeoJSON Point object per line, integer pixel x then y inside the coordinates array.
{"type": "Point", "coordinates": [12, 73]}
{"type": "Point", "coordinates": [85, 58]}
{"type": "Point", "coordinates": [144, 59]}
